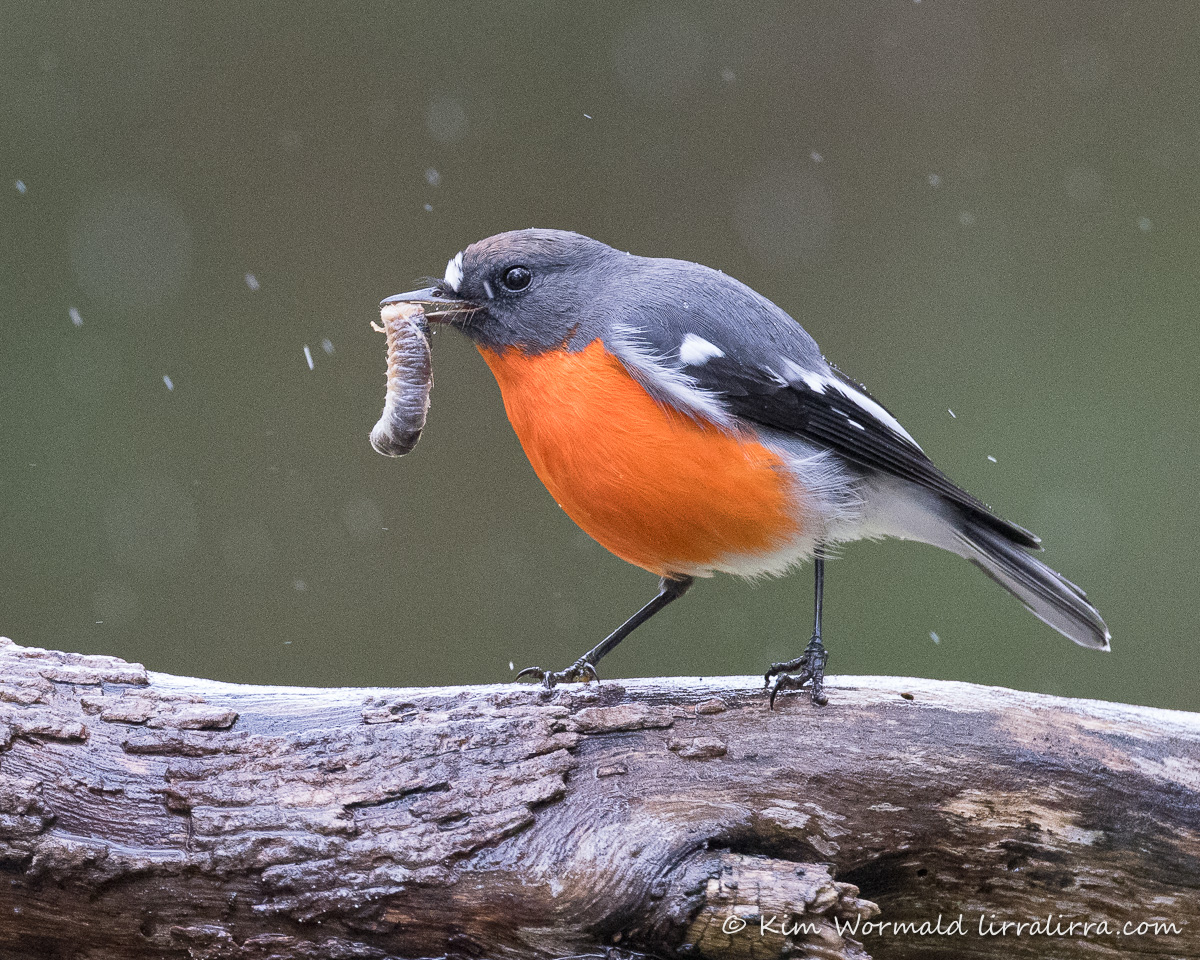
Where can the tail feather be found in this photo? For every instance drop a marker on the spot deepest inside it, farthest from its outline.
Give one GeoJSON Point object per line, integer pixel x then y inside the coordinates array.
{"type": "Point", "coordinates": [1048, 595]}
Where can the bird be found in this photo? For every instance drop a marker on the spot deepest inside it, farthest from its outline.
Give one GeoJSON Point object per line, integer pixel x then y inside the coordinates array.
{"type": "Point", "coordinates": [692, 427]}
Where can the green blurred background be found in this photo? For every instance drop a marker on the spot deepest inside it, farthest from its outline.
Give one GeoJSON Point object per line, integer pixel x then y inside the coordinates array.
{"type": "Point", "coordinates": [978, 207]}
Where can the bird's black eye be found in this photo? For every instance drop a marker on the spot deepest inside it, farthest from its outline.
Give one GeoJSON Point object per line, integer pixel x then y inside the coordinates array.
{"type": "Point", "coordinates": [516, 278]}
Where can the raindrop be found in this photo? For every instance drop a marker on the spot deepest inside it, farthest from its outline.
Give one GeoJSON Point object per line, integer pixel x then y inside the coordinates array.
{"type": "Point", "coordinates": [308, 356]}
{"type": "Point", "coordinates": [934, 180]}
{"type": "Point", "coordinates": [952, 413]}
{"type": "Point", "coordinates": [966, 218]}
{"type": "Point", "coordinates": [934, 637]}
{"type": "Point", "coordinates": [445, 119]}
{"type": "Point", "coordinates": [1145, 224]}
{"type": "Point", "coordinates": [167, 380]}
{"type": "Point", "coordinates": [327, 345]}
{"type": "Point", "coordinates": [815, 157]}
{"type": "Point", "coordinates": [993, 459]}
{"type": "Point", "coordinates": [432, 177]}
{"type": "Point", "coordinates": [299, 586]}
{"type": "Point", "coordinates": [252, 281]}
{"type": "Point", "coordinates": [728, 75]}
{"type": "Point", "coordinates": [20, 185]}
{"type": "Point", "coordinates": [429, 208]}
{"type": "Point", "coordinates": [76, 317]}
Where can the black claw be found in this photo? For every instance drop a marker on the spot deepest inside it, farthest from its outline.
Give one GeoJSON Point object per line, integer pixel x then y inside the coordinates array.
{"type": "Point", "coordinates": [811, 665]}
{"type": "Point", "coordinates": [580, 670]}
{"type": "Point", "coordinates": [670, 589]}
{"type": "Point", "coordinates": [771, 703]}
{"type": "Point", "coordinates": [777, 668]}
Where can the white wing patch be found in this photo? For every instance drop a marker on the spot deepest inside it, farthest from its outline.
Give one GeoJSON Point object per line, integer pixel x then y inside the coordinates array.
{"type": "Point", "coordinates": [816, 383]}
{"type": "Point", "coordinates": [696, 351]}
{"type": "Point", "coordinates": [666, 383]}
{"type": "Point", "coordinates": [819, 382]}
{"type": "Point", "coordinates": [865, 403]}
{"type": "Point", "coordinates": [810, 378]}
{"type": "Point", "coordinates": [454, 273]}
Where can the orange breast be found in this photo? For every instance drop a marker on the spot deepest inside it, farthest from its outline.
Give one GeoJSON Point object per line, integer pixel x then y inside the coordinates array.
{"type": "Point", "coordinates": [649, 483]}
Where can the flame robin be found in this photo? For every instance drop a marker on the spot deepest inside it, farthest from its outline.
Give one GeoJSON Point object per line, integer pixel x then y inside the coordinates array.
{"type": "Point", "coordinates": [691, 426]}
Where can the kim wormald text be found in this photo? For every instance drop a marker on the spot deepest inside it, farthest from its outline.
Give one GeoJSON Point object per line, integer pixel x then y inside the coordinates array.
{"type": "Point", "coordinates": [985, 925]}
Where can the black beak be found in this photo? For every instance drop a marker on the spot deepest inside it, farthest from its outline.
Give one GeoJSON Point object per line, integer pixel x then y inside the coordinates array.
{"type": "Point", "coordinates": [435, 301]}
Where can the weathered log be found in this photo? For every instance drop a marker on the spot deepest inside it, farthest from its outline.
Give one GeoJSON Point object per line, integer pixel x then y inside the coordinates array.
{"type": "Point", "coordinates": [144, 815]}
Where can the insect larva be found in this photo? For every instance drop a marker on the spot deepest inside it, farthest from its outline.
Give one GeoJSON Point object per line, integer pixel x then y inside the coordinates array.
{"type": "Point", "coordinates": [409, 379]}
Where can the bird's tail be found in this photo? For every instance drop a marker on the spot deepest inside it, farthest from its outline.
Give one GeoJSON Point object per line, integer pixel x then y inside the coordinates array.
{"type": "Point", "coordinates": [1048, 595]}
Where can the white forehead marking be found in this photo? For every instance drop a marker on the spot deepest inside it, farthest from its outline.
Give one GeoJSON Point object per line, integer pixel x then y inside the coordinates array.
{"type": "Point", "coordinates": [454, 273]}
{"type": "Point", "coordinates": [696, 351]}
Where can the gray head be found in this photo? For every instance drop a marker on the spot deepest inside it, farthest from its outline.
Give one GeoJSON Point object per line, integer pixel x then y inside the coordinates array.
{"type": "Point", "coordinates": [527, 288]}
{"type": "Point", "coordinates": [545, 289]}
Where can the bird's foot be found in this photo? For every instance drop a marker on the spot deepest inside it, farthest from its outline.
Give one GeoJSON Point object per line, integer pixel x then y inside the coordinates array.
{"type": "Point", "coordinates": [811, 667]}
{"type": "Point", "coordinates": [580, 670]}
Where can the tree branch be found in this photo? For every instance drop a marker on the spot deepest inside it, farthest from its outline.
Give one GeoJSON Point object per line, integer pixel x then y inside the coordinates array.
{"type": "Point", "coordinates": [150, 816]}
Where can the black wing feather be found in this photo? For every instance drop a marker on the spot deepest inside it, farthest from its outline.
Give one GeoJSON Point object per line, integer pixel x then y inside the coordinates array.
{"type": "Point", "coordinates": [828, 419]}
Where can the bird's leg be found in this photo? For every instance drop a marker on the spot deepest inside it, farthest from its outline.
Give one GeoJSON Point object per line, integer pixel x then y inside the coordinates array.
{"type": "Point", "coordinates": [585, 667]}
{"type": "Point", "coordinates": [811, 663]}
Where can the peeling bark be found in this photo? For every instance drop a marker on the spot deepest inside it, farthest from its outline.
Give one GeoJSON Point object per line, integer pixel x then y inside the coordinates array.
{"type": "Point", "coordinates": [150, 816]}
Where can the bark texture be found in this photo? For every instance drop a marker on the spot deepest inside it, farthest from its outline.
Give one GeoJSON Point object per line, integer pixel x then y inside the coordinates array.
{"type": "Point", "coordinates": [150, 816]}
